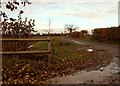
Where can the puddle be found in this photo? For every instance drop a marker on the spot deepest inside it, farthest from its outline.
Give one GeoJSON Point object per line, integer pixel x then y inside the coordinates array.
{"type": "Point", "coordinates": [78, 42]}
{"type": "Point", "coordinates": [94, 76]}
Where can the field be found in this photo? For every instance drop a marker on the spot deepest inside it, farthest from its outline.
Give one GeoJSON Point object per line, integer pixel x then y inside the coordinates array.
{"type": "Point", "coordinates": [67, 58]}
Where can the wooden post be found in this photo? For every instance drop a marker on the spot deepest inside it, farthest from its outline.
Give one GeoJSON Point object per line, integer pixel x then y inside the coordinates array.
{"type": "Point", "coordinates": [49, 49]}
{"type": "Point", "coordinates": [49, 44]}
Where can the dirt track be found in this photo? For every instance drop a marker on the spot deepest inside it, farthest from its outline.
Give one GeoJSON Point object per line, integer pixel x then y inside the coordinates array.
{"type": "Point", "coordinates": [93, 76]}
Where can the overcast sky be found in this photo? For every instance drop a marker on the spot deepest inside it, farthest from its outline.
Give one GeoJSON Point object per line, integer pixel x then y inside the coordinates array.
{"type": "Point", "coordinates": [86, 14]}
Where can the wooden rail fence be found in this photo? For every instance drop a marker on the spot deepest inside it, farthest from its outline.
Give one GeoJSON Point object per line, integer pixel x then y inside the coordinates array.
{"type": "Point", "coordinates": [48, 51]}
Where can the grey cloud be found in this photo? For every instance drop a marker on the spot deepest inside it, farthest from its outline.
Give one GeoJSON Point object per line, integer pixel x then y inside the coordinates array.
{"type": "Point", "coordinates": [74, 0]}
{"type": "Point", "coordinates": [92, 10]}
{"type": "Point", "coordinates": [86, 10]}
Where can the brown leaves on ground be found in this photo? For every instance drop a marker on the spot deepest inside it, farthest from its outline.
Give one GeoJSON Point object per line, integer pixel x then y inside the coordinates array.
{"type": "Point", "coordinates": [115, 79]}
{"type": "Point", "coordinates": [95, 59]}
{"type": "Point", "coordinates": [38, 71]}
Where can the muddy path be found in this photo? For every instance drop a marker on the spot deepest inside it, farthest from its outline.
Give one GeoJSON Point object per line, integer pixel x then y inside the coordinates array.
{"type": "Point", "coordinates": [109, 47]}
{"type": "Point", "coordinates": [93, 76]}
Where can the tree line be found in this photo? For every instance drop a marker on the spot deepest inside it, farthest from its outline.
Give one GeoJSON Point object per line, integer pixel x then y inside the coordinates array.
{"type": "Point", "coordinates": [111, 33]}
{"type": "Point", "coordinates": [102, 34]}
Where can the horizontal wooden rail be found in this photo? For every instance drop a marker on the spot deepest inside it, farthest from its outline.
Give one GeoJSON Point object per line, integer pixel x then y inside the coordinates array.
{"type": "Point", "coordinates": [48, 52]}
{"type": "Point", "coordinates": [23, 39]}
{"type": "Point", "coordinates": [25, 52]}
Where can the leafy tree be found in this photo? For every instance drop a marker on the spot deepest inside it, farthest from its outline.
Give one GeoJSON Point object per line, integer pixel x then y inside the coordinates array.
{"type": "Point", "coordinates": [16, 27]}
{"type": "Point", "coordinates": [111, 33]}
{"type": "Point", "coordinates": [84, 32]}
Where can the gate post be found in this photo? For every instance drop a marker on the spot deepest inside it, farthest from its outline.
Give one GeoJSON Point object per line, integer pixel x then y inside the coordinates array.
{"type": "Point", "coordinates": [49, 49]}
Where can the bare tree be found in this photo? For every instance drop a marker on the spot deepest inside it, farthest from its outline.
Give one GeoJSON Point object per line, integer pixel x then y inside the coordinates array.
{"type": "Point", "coordinates": [70, 27]}
{"type": "Point", "coordinates": [49, 27]}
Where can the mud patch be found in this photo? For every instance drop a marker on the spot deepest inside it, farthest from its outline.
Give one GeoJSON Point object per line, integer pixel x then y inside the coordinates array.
{"type": "Point", "coordinates": [90, 77]}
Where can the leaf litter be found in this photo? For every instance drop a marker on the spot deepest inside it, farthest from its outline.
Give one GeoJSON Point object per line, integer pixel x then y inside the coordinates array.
{"type": "Point", "coordinates": [39, 71]}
